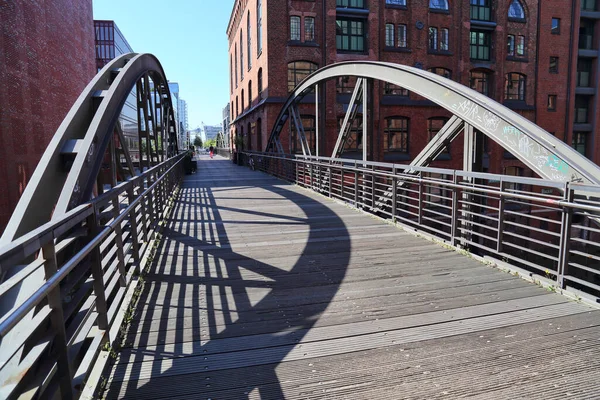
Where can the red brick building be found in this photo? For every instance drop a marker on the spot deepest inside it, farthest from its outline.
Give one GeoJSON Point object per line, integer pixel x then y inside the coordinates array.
{"type": "Point", "coordinates": [46, 59]}
{"type": "Point", "coordinates": [525, 54]}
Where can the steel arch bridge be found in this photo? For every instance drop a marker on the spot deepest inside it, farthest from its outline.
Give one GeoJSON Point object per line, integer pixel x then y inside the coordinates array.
{"type": "Point", "coordinates": [76, 199]}
{"type": "Point", "coordinates": [68, 240]}
{"type": "Point", "coordinates": [548, 156]}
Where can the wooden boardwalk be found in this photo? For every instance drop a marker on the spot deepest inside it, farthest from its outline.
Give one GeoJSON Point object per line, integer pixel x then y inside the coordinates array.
{"type": "Point", "coordinates": [263, 290]}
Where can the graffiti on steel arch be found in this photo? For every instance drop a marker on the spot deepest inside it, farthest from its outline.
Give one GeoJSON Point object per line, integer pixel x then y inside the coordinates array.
{"type": "Point", "coordinates": [550, 157]}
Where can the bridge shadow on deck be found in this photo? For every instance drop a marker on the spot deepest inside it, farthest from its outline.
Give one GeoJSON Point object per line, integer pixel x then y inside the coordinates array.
{"type": "Point", "coordinates": [205, 287]}
{"type": "Point", "coordinates": [263, 290]}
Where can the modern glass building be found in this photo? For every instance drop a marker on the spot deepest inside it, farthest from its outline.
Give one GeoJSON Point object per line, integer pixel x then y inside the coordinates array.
{"type": "Point", "coordinates": [111, 43]}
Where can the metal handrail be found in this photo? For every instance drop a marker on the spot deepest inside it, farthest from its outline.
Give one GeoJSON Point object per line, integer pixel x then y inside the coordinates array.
{"type": "Point", "coordinates": [12, 318]}
{"type": "Point", "coordinates": [449, 209]}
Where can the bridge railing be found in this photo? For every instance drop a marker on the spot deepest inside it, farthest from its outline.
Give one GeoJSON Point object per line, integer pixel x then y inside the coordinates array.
{"type": "Point", "coordinates": [223, 152]}
{"type": "Point", "coordinates": [544, 229]}
{"type": "Point", "coordinates": [88, 262]}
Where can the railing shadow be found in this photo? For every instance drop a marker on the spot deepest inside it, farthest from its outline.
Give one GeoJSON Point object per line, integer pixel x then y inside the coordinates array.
{"type": "Point", "coordinates": [217, 320]}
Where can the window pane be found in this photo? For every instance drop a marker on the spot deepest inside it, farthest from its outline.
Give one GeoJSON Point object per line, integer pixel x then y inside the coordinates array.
{"type": "Point", "coordinates": [555, 26]}
{"type": "Point", "coordinates": [396, 134]}
{"type": "Point", "coordinates": [516, 10]}
{"type": "Point", "coordinates": [294, 28]}
{"type": "Point", "coordinates": [438, 4]}
{"type": "Point", "coordinates": [389, 35]}
{"type": "Point", "coordinates": [309, 29]}
{"type": "Point", "coordinates": [402, 41]}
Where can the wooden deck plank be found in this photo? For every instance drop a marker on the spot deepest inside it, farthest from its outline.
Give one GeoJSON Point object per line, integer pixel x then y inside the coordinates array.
{"type": "Point", "coordinates": [261, 289]}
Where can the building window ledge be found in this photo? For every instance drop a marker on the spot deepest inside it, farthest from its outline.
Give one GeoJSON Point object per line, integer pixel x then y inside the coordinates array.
{"type": "Point", "coordinates": [517, 59]}
{"type": "Point", "coordinates": [440, 52]}
{"type": "Point", "coordinates": [485, 25]}
{"type": "Point", "coordinates": [358, 53]}
{"type": "Point", "coordinates": [521, 20]}
{"type": "Point", "coordinates": [481, 64]}
{"type": "Point", "coordinates": [439, 11]}
{"type": "Point", "coordinates": [352, 12]}
{"type": "Point", "coordinates": [297, 43]}
{"type": "Point", "coordinates": [396, 6]}
{"type": "Point", "coordinates": [517, 105]}
{"type": "Point", "coordinates": [398, 49]}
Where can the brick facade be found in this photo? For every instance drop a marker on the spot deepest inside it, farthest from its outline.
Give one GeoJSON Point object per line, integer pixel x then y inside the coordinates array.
{"type": "Point", "coordinates": [46, 59]}
{"type": "Point", "coordinates": [279, 50]}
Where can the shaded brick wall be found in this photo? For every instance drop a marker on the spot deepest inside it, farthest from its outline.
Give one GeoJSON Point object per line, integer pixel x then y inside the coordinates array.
{"type": "Point", "coordinates": [46, 59]}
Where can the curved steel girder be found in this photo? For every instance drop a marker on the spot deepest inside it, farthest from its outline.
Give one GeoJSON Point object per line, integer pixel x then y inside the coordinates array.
{"type": "Point", "coordinates": [548, 156]}
{"type": "Point", "coordinates": [52, 189]}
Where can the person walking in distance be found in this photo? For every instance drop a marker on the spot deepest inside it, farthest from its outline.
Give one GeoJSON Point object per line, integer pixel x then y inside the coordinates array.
{"type": "Point", "coordinates": [211, 149]}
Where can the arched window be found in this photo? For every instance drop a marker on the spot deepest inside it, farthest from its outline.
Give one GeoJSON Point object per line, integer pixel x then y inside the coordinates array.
{"type": "Point", "coordinates": [260, 83]}
{"type": "Point", "coordinates": [516, 11]}
{"type": "Point", "coordinates": [434, 125]}
{"type": "Point", "coordinates": [250, 134]}
{"type": "Point", "coordinates": [514, 86]}
{"type": "Point", "coordinates": [250, 94]}
{"type": "Point", "coordinates": [308, 123]}
{"type": "Point", "coordinates": [438, 4]}
{"type": "Point", "coordinates": [236, 66]}
{"type": "Point", "coordinates": [249, 34]}
{"type": "Point", "coordinates": [241, 58]}
{"type": "Point", "coordinates": [297, 71]}
{"type": "Point", "coordinates": [259, 26]}
{"type": "Point", "coordinates": [243, 99]}
{"type": "Point", "coordinates": [259, 135]}
{"type": "Point", "coordinates": [231, 73]}
{"type": "Point", "coordinates": [232, 111]}
{"type": "Point", "coordinates": [480, 81]}
{"type": "Point", "coordinates": [237, 108]}
{"type": "Point", "coordinates": [396, 134]}
{"type": "Point", "coordinates": [445, 72]}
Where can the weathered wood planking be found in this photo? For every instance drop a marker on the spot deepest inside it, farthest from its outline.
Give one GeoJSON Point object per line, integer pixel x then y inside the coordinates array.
{"type": "Point", "coordinates": [261, 289]}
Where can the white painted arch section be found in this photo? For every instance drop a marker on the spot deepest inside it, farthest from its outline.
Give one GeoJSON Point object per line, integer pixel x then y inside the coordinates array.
{"type": "Point", "coordinates": [548, 156]}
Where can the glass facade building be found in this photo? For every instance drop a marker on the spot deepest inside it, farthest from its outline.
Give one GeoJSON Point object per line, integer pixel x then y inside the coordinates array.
{"type": "Point", "coordinates": [111, 43]}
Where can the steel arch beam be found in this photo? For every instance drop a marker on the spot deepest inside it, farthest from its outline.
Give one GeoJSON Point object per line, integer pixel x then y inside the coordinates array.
{"type": "Point", "coordinates": [539, 150]}
{"type": "Point", "coordinates": [54, 189]}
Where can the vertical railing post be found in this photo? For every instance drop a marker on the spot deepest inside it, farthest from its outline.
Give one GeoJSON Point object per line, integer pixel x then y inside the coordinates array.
{"type": "Point", "coordinates": [454, 222]}
{"type": "Point", "coordinates": [119, 243]}
{"type": "Point", "coordinates": [143, 209]}
{"type": "Point", "coordinates": [355, 184]}
{"type": "Point", "coordinates": [372, 182]}
{"type": "Point", "coordinates": [342, 182]}
{"type": "Point", "coordinates": [329, 177]}
{"type": "Point", "coordinates": [97, 275]}
{"type": "Point", "coordinates": [59, 344]}
{"type": "Point", "coordinates": [501, 204]}
{"type": "Point", "coordinates": [134, 226]}
{"type": "Point", "coordinates": [565, 238]}
{"type": "Point", "coordinates": [394, 194]}
{"type": "Point", "coordinates": [420, 217]}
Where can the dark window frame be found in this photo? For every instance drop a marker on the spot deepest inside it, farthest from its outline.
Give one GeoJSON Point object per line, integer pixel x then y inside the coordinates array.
{"type": "Point", "coordinates": [340, 35]}
{"type": "Point", "coordinates": [403, 131]}
{"type": "Point", "coordinates": [312, 67]}
{"type": "Point", "coordinates": [295, 30]}
{"type": "Point", "coordinates": [521, 91]}
{"type": "Point", "coordinates": [551, 105]}
{"type": "Point", "coordinates": [555, 29]}
{"type": "Point", "coordinates": [479, 46]}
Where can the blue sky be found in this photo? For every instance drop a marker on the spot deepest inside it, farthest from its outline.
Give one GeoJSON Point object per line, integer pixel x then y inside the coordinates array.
{"type": "Point", "coordinates": [189, 39]}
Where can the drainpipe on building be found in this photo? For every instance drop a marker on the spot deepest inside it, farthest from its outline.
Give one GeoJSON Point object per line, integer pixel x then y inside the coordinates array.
{"type": "Point", "coordinates": [323, 86]}
{"type": "Point", "coordinates": [570, 70]}
{"type": "Point", "coordinates": [537, 63]}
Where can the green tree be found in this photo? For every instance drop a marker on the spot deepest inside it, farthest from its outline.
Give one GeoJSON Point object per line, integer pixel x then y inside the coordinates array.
{"type": "Point", "coordinates": [197, 141]}
{"type": "Point", "coordinates": [211, 142]}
